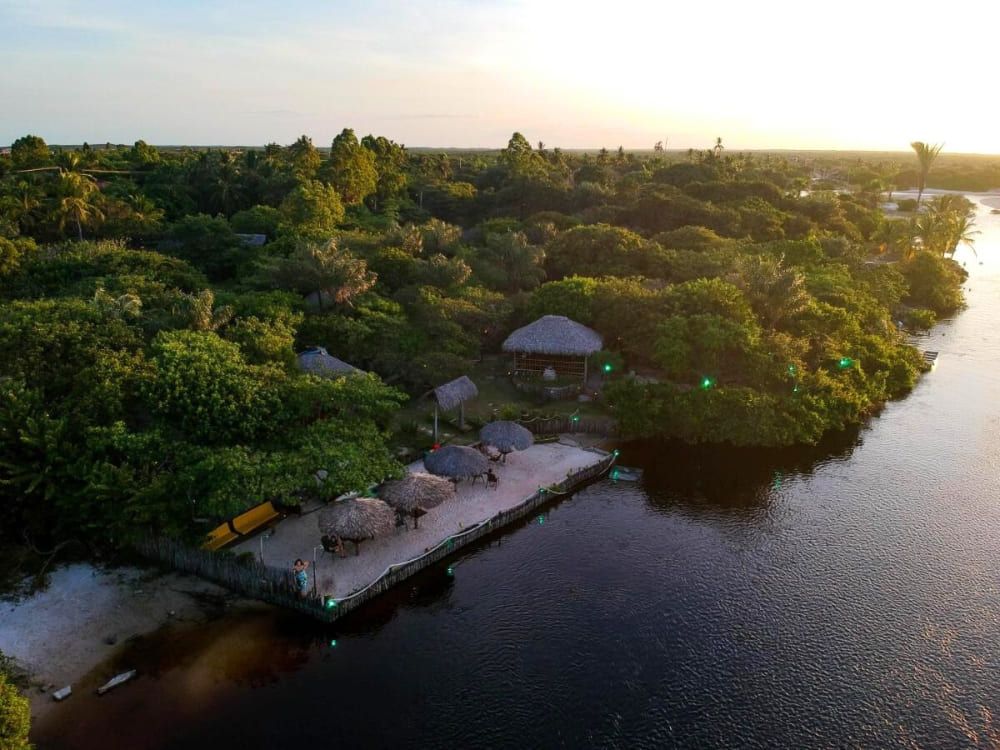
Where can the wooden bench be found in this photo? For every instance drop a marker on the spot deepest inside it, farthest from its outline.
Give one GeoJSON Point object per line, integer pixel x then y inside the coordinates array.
{"type": "Point", "coordinates": [240, 526]}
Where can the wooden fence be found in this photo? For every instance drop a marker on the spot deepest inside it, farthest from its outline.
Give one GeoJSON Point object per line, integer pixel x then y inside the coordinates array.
{"type": "Point", "coordinates": [277, 586]}
{"type": "Point", "coordinates": [556, 425]}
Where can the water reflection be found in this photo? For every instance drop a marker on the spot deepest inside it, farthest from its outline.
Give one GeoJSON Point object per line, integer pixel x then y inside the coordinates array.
{"type": "Point", "coordinates": [724, 480]}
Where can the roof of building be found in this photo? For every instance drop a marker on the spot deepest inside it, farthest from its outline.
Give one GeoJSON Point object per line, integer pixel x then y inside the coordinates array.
{"type": "Point", "coordinates": [554, 334]}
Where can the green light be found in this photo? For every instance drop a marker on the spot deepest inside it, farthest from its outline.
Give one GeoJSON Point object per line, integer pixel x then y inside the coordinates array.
{"type": "Point", "coordinates": [706, 383]}
{"type": "Point", "coordinates": [791, 369]}
{"type": "Point", "coordinates": [614, 474]}
{"type": "Point", "coordinates": [795, 389]}
{"type": "Point", "coordinates": [541, 520]}
{"type": "Point", "coordinates": [845, 362]}
{"type": "Point", "coordinates": [542, 490]}
{"type": "Point", "coordinates": [330, 603]}
{"type": "Point", "coordinates": [616, 451]}
{"type": "Point", "coordinates": [333, 643]}
{"type": "Point", "coordinates": [607, 367]}
{"type": "Point", "coordinates": [576, 417]}
{"type": "Point", "coordinates": [451, 571]}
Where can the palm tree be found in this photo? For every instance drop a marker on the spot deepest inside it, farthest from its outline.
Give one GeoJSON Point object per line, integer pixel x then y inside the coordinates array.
{"type": "Point", "coordinates": [960, 229]}
{"type": "Point", "coordinates": [76, 204]}
{"type": "Point", "coordinates": [926, 154]}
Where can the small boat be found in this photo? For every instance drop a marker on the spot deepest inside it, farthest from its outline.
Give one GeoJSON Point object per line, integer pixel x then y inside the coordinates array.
{"type": "Point", "coordinates": [626, 474]}
{"type": "Point", "coordinates": [116, 681]}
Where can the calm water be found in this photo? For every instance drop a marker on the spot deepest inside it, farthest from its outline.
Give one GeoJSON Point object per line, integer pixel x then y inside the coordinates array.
{"type": "Point", "coordinates": [846, 595]}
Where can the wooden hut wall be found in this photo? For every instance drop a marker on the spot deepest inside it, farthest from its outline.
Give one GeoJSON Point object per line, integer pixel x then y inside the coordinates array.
{"type": "Point", "coordinates": [566, 366]}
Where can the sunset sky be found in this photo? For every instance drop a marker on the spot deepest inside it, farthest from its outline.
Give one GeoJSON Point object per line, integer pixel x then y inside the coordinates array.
{"type": "Point", "coordinates": [771, 74]}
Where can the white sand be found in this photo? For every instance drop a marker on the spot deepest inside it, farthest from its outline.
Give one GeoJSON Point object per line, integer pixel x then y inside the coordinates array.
{"type": "Point", "coordinates": [520, 477]}
{"type": "Point", "coordinates": [60, 634]}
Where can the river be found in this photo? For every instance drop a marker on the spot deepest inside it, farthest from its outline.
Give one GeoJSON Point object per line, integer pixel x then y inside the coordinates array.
{"type": "Point", "coordinates": [844, 595]}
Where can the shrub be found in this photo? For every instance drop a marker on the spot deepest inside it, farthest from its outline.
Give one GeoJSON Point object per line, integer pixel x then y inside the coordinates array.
{"type": "Point", "coordinates": [15, 717]}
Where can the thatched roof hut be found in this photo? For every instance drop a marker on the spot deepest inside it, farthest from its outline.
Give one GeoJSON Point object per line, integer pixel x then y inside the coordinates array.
{"type": "Point", "coordinates": [415, 492]}
{"type": "Point", "coordinates": [452, 394]}
{"type": "Point", "coordinates": [556, 342]}
{"type": "Point", "coordinates": [456, 461]}
{"type": "Point", "coordinates": [356, 520]}
{"type": "Point", "coordinates": [317, 361]}
{"type": "Point", "coordinates": [507, 436]}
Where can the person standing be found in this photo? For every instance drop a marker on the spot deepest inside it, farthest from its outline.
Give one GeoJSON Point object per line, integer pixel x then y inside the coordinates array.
{"type": "Point", "coordinates": [301, 577]}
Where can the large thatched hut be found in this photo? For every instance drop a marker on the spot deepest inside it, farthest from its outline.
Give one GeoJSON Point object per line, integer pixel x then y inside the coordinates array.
{"type": "Point", "coordinates": [317, 361]}
{"type": "Point", "coordinates": [553, 342]}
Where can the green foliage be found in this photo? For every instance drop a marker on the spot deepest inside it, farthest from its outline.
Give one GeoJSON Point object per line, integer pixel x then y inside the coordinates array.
{"type": "Point", "coordinates": [935, 282]}
{"type": "Point", "coordinates": [209, 244]}
{"type": "Point", "coordinates": [351, 168]}
{"type": "Point", "coordinates": [15, 717]}
{"type": "Point", "coordinates": [323, 269]}
{"type": "Point", "coordinates": [204, 388]}
{"type": "Point", "coordinates": [312, 209]}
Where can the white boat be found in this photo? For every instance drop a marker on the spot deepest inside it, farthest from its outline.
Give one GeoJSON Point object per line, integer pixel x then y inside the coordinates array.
{"type": "Point", "coordinates": [116, 681]}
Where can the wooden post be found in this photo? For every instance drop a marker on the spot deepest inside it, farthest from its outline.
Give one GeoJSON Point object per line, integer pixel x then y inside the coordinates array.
{"type": "Point", "coordinates": [435, 422]}
{"type": "Point", "coordinates": [461, 415]}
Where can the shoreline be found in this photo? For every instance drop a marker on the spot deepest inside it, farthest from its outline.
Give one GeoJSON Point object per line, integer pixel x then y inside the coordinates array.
{"type": "Point", "coordinates": [71, 632]}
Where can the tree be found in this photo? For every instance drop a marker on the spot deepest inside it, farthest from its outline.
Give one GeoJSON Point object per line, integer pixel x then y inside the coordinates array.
{"type": "Point", "coordinates": [390, 164]}
{"type": "Point", "coordinates": [312, 209]}
{"type": "Point", "coordinates": [204, 387]}
{"type": "Point", "coordinates": [321, 268]}
{"type": "Point", "coordinates": [926, 154]}
{"type": "Point", "coordinates": [303, 158]}
{"type": "Point", "coordinates": [15, 717]}
{"type": "Point", "coordinates": [351, 168]}
{"type": "Point", "coordinates": [206, 242]}
{"type": "Point", "coordinates": [76, 203]}
{"type": "Point", "coordinates": [30, 152]}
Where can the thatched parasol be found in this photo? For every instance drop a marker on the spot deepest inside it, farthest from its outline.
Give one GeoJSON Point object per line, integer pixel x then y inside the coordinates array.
{"type": "Point", "coordinates": [507, 436]}
{"type": "Point", "coordinates": [416, 492]}
{"type": "Point", "coordinates": [456, 461]}
{"type": "Point", "coordinates": [356, 520]}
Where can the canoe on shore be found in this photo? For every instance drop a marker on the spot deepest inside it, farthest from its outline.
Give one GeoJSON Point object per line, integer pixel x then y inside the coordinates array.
{"type": "Point", "coordinates": [116, 681]}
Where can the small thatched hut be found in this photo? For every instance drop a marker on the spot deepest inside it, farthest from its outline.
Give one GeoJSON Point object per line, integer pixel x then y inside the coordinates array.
{"type": "Point", "coordinates": [452, 394]}
{"type": "Point", "coordinates": [317, 361]}
{"type": "Point", "coordinates": [556, 342]}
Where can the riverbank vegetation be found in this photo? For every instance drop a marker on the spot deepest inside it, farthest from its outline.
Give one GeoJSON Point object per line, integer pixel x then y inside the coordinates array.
{"type": "Point", "coordinates": [152, 303]}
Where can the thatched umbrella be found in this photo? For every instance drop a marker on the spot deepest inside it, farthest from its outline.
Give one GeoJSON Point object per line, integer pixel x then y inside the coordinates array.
{"type": "Point", "coordinates": [356, 520]}
{"type": "Point", "coordinates": [507, 436]}
{"type": "Point", "coordinates": [416, 492]}
{"type": "Point", "coordinates": [456, 461]}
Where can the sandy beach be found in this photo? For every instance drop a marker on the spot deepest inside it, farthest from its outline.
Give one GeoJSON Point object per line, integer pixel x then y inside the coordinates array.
{"type": "Point", "coordinates": [61, 636]}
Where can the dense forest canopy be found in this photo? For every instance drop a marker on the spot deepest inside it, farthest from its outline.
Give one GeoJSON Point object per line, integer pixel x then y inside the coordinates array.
{"type": "Point", "coordinates": [152, 302]}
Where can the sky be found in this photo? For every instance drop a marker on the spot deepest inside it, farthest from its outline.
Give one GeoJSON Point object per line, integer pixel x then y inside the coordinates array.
{"type": "Point", "coordinates": [771, 74]}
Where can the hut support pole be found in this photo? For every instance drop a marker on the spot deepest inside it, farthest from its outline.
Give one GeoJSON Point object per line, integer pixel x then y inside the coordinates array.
{"type": "Point", "coordinates": [435, 422]}
{"type": "Point", "coordinates": [585, 358]}
{"type": "Point", "coordinates": [461, 415]}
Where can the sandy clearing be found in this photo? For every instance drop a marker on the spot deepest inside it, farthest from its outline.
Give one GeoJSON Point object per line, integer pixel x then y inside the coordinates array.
{"type": "Point", "coordinates": [61, 634]}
